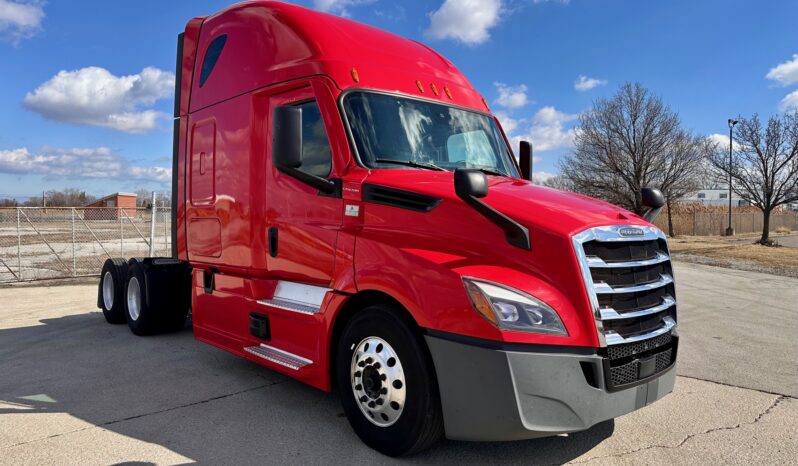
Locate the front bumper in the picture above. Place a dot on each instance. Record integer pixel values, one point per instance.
(494, 394)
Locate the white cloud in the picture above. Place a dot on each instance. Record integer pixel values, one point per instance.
(785, 73)
(583, 83)
(100, 162)
(511, 96)
(94, 96)
(722, 140)
(542, 177)
(548, 130)
(467, 21)
(789, 102)
(20, 20)
(509, 124)
(338, 7)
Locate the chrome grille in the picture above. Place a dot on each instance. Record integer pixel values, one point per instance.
(630, 282)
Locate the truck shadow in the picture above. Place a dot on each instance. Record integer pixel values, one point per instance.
(200, 402)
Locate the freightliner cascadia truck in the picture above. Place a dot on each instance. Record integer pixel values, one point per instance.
(348, 212)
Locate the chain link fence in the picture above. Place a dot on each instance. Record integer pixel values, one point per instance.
(38, 243)
(714, 223)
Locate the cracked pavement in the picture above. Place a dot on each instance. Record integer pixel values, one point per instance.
(75, 390)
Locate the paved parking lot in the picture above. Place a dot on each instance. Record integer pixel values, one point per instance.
(74, 390)
(788, 241)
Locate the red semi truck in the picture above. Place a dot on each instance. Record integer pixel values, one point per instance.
(349, 213)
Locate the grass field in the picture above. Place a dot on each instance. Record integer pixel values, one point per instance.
(739, 252)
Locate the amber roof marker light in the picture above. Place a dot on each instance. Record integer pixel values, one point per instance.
(420, 86)
(434, 89)
(355, 75)
(448, 92)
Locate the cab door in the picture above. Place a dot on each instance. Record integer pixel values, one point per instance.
(302, 223)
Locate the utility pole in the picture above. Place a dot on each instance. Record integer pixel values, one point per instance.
(732, 122)
(153, 213)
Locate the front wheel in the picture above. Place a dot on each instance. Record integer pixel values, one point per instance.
(387, 383)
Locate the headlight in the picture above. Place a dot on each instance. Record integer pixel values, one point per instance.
(511, 309)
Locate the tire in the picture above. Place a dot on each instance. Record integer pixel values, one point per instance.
(365, 374)
(157, 298)
(142, 317)
(111, 290)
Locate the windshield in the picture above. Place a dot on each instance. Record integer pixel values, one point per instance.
(395, 132)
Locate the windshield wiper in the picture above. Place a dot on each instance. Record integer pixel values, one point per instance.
(489, 171)
(409, 163)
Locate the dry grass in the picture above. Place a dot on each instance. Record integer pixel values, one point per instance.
(737, 252)
(783, 230)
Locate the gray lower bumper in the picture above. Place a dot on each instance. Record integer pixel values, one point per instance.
(489, 394)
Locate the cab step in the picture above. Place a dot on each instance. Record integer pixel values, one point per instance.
(278, 356)
(297, 297)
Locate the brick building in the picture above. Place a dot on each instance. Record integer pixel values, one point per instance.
(111, 207)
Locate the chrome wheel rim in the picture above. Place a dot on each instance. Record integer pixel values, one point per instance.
(108, 291)
(133, 298)
(378, 381)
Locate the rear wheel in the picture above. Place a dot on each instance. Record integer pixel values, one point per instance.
(142, 318)
(387, 383)
(157, 297)
(110, 296)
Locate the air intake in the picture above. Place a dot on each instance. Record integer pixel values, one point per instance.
(399, 198)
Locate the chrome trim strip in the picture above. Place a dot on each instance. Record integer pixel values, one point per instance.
(610, 234)
(616, 339)
(603, 288)
(608, 313)
(278, 356)
(598, 263)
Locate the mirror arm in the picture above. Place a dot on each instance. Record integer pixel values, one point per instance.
(323, 185)
(651, 214)
(515, 233)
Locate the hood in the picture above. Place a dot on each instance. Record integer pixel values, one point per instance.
(535, 207)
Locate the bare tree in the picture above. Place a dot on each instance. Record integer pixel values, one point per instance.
(558, 182)
(682, 170)
(628, 142)
(764, 168)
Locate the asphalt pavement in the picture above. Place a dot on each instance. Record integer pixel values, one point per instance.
(75, 390)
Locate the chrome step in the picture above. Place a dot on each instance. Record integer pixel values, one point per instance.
(289, 305)
(278, 356)
(297, 297)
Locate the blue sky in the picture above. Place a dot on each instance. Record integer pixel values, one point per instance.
(709, 60)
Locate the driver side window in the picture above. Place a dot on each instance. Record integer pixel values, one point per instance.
(316, 154)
